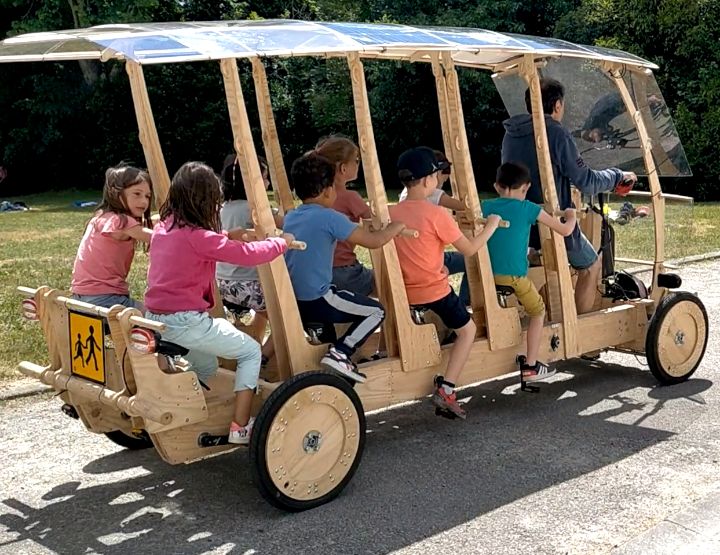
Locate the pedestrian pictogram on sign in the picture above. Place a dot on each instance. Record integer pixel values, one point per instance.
(87, 346)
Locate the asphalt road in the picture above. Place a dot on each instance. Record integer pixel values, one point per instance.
(592, 462)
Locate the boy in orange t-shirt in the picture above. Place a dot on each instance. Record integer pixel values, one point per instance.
(422, 262)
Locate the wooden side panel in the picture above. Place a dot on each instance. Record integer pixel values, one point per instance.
(148, 133)
(557, 244)
(418, 345)
(180, 395)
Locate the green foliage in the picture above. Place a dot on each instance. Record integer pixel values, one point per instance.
(62, 124)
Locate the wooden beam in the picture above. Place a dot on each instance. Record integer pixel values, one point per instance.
(148, 133)
(556, 242)
(418, 346)
(273, 152)
(502, 324)
(658, 202)
(294, 354)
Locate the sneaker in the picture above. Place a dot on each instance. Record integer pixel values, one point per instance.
(448, 402)
(240, 435)
(338, 361)
(538, 372)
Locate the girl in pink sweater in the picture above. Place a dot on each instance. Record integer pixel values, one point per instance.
(184, 249)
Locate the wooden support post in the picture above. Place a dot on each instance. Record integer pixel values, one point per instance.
(294, 354)
(418, 346)
(658, 201)
(441, 87)
(502, 325)
(273, 152)
(556, 242)
(148, 133)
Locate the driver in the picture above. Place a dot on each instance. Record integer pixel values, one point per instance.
(568, 167)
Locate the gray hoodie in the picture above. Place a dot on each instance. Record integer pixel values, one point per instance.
(568, 166)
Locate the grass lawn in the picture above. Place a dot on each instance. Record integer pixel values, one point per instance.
(38, 248)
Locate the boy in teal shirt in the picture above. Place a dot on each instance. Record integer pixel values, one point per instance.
(508, 253)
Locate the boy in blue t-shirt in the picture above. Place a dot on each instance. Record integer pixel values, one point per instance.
(316, 223)
(508, 253)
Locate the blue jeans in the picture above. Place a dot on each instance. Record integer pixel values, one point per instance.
(455, 263)
(209, 338)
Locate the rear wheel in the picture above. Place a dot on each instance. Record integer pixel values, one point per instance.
(308, 440)
(133, 442)
(677, 337)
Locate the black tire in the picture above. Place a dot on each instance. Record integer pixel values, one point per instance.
(335, 422)
(677, 337)
(132, 442)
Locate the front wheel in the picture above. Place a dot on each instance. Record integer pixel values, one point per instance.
(308, 440)
(133, 442)
(677, 337)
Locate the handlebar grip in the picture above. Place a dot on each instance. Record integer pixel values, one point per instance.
(410, 233)
(503, 223)
(298, 245)
(580, 213)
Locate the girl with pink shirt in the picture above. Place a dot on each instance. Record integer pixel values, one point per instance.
(107, 248)
(348, 273)
(186, 245)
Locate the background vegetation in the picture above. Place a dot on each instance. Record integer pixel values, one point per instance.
(62, 124)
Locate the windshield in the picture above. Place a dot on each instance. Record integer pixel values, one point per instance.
(596, 116)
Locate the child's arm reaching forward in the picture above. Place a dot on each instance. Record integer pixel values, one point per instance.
(375, 239)
(563, 228)
(218, 247)
(469, 246)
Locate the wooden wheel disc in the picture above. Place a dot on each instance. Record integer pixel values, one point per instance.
(681, 338)
(312, 442)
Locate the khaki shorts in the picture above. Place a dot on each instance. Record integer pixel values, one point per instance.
(526, 293)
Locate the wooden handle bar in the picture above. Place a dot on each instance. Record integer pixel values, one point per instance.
(298, 245)
(414, 233)
(503, 223)
(26, 291)
(579, 212)
(95, 392)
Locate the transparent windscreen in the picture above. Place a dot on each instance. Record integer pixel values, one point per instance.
(595, 114)
(633, 223)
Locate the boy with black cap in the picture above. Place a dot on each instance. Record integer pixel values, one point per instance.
(421, 261)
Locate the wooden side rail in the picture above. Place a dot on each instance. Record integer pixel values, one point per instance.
(130, 405)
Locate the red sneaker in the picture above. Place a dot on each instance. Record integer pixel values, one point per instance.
(445, 401)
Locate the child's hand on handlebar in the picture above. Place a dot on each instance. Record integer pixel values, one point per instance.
(570, 214)
(288, 237)
(493, 221)
(395, 228)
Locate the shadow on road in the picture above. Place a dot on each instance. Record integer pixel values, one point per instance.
(420, 475)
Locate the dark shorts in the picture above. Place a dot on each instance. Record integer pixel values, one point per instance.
(450, 309)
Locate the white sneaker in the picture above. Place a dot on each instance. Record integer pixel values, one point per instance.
(240, 435)
(339, 362)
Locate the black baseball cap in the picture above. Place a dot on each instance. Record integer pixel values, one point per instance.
(419, 162)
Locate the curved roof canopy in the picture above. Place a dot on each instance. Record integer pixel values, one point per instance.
(155, 43)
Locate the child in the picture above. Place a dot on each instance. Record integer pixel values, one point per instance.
(184, 248)
(240, 285)
(508, 254)
(348, 274)
(454, 261)
(107, 248)
(421, 262)
(316, 223)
